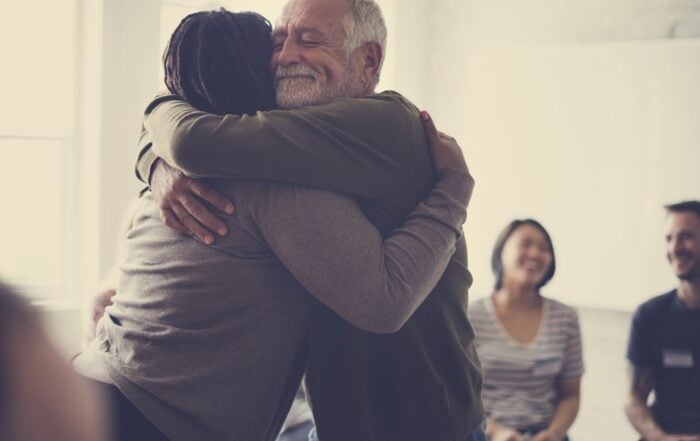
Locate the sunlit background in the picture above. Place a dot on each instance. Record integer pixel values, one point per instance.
(580, 113)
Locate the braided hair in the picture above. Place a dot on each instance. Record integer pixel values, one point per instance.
(219, 62)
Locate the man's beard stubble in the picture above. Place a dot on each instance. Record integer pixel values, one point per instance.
(691, 275)
(297, 92)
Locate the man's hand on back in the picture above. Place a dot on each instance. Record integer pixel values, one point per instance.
(444, 149)
(181, 201)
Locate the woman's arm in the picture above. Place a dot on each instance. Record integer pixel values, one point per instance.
(328, 245)
(565, 412)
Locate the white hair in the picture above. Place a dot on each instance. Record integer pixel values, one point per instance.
(365, 23)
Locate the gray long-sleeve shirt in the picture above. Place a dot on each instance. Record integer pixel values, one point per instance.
(210, 342)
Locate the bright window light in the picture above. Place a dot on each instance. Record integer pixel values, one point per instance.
(31, 184)
(37, 43)
(37, 142)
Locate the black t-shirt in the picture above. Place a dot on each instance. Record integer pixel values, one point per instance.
(665, 337)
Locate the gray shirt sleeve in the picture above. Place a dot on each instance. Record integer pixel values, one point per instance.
(330, 247)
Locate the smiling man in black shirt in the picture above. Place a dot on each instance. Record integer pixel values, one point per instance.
(664, 345)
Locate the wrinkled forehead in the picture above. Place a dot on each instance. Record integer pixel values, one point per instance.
(327, 17)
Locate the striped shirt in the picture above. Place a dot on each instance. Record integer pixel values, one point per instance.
(520, 380)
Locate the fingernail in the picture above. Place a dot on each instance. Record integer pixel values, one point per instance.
(222, 232)
(424, 115)
(229, 209)
(208, 240)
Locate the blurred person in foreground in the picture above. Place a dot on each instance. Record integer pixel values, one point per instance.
(529, 345)
(41, 398)
(664, 343)
(211, 342)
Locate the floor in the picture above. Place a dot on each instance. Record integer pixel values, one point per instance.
(605, 382)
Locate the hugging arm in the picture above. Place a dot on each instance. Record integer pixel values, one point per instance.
(330, 247)
(358, 146)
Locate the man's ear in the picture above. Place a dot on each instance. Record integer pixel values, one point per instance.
(372, 55)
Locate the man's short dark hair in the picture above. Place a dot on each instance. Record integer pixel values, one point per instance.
(684, 207)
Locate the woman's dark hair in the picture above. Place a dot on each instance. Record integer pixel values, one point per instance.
(497, 264)
(219, 62)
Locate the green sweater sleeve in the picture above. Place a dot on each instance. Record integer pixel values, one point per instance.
(361, 146)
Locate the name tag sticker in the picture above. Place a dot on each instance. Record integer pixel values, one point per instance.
(677, 359)
(549, 366)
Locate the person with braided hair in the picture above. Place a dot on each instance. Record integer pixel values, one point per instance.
(217, 61)
(210, 343)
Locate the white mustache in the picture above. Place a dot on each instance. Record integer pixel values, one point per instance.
(295, 70)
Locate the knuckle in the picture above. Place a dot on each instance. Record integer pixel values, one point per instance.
(197, 186)
(197, 211)
(206, 192)
(185, 217)
(187, 201)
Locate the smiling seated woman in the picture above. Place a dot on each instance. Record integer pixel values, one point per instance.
(529, 345)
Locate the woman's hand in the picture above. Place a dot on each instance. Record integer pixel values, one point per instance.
(507, 434)
(499, 432)
(181, 201)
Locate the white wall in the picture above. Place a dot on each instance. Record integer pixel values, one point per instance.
(591, 139)
(580, 114)
(131, 40)
(115, 83)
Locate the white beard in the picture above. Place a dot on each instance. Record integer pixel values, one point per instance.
(298, 92)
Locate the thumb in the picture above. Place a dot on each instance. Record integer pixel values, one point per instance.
(431, 132)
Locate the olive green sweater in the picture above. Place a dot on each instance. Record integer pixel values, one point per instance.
(420, 383)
